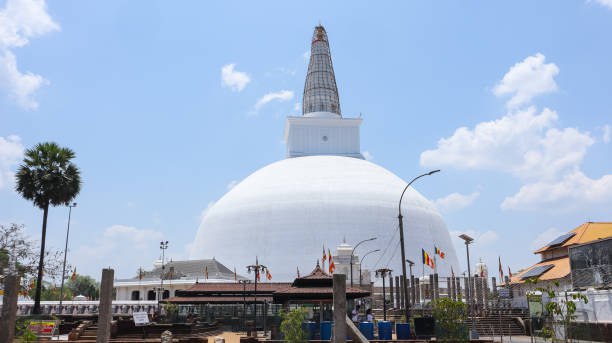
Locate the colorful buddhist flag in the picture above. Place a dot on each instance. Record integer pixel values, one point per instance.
(74, 275)
(332, 265)
(268, 274)
(501, 269)
(324, 256)
(427, 259)
(206, 272)
(438, 252)
(509, 272)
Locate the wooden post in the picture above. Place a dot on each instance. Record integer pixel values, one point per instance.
(9, 308)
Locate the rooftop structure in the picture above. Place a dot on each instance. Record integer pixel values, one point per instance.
(554, 257)
(320, 90)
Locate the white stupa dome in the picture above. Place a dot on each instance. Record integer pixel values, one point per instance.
(284, 212)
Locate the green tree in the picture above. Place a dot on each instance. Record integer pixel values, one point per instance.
(291, 326)
(47, 177)
(451, 317)
(83, 285)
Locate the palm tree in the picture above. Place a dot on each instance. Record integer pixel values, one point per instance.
(47, 177)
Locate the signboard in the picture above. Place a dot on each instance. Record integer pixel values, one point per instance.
(42, 327)
(141, 318)
(591, 264)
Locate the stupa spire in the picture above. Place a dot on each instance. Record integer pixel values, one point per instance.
(320, 90)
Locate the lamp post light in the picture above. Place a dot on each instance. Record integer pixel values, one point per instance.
(65, 253)
(353, 255)
(361, 263)
(468, 240)
(244, 283)
(403, 250)
(163, 245)
(257, 268)
(383, 273)
(412, 291)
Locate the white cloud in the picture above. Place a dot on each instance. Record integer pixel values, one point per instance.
(528, 141)
(605, 3)
(368, 156)
(11, 153)
(574, 186)
(297, 107)
(20, 87)
(527, 79)
(21, 20)
(122, 247)
(456, 201)
(545, 237)
(233, 79)
(607, 132)
(283, 95)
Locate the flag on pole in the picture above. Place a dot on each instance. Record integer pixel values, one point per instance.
(427, 260)
(74, 275)
(438, 252)
(332, 265)
(235, 274)
(257, 276)
(206, 272)
(509, 272)
(452, 272)
(268, 274)
(501, 269)
(324, 256)
(298, 271)
(481, 272)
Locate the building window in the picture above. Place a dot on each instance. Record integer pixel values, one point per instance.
(135, 295)
(151, 295)
(166, 294)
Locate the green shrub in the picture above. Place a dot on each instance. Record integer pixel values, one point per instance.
(291, 326)
(451, 317)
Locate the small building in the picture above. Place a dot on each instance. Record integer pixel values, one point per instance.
(342, 261)
(174, 275)
(554, 265)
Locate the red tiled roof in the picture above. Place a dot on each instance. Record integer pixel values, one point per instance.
(587, 232)
(216, 300)
(219, 287)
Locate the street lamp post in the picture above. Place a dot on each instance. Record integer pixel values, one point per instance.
(257, 268)
(468, 240)
(244, 283)
(65, 253)
(353, 255)
(163, 245)
(401, 230)
(361, 263)
(383, 272)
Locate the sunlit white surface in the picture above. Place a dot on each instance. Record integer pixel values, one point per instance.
(285, 212)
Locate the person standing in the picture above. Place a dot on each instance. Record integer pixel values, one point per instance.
(355, 314)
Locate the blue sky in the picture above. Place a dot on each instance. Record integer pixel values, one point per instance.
(136, 90)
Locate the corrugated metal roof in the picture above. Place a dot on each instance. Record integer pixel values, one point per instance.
(587, 232)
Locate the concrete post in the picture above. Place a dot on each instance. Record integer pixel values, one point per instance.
(9, 308)
(399, 295)
(412, 290)
(340, 313)
(391, 294)
(468, 295)
(494, 286)
(417, 291)
(430, 290)
(436, 287)
(458, 288)
(105, 310)
(450, 288)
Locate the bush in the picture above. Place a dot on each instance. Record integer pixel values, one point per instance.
(291, 326)
(451, 317)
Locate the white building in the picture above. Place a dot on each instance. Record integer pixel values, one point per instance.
(177, 275)
(342, 261)
(323, 191)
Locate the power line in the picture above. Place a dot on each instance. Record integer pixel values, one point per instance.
(386, 248)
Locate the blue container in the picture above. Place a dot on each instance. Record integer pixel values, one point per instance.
(367, 329)
(402, 330)
(326, 331)
(310, 328)
(384, 330)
